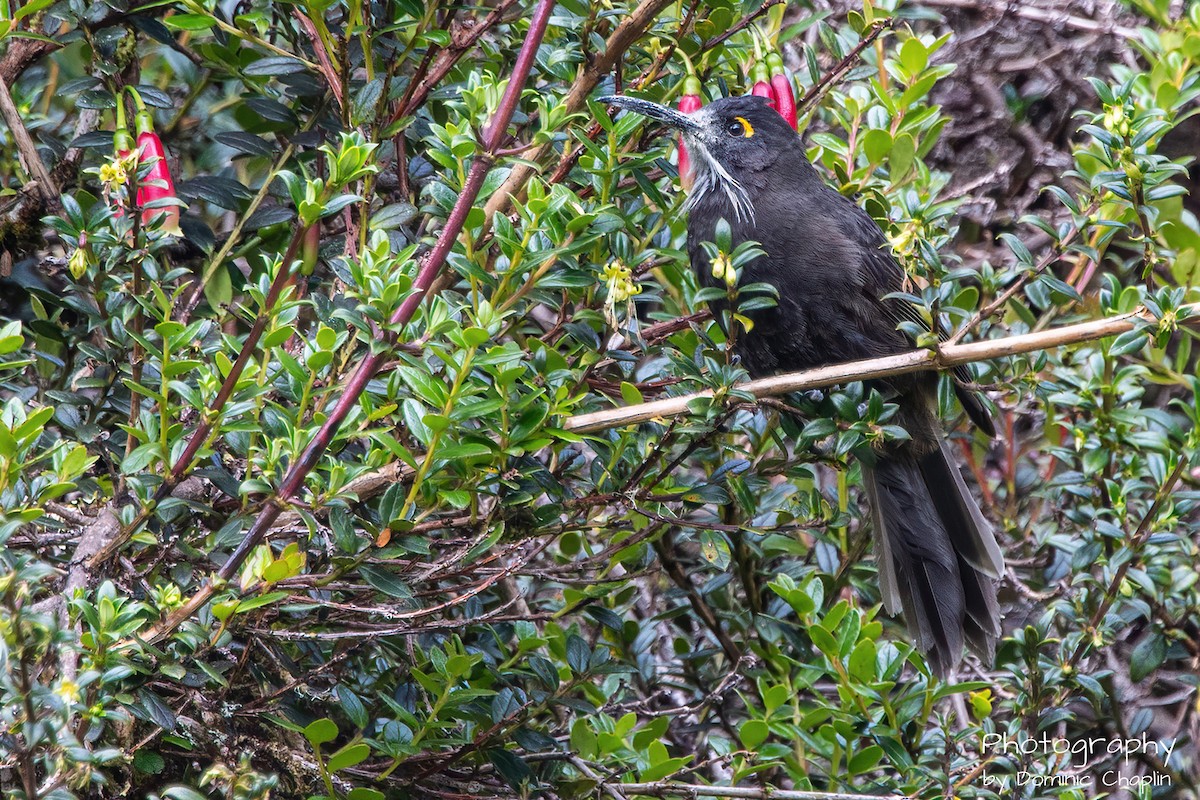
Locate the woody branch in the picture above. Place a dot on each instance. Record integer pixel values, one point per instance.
(866, 369)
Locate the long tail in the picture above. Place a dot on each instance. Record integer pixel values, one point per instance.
(937, 556)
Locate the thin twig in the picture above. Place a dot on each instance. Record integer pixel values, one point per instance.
(743, 23)
(843, 66)
(327, 68)
(1144, 530)
(463, 37)
(1056, 253)
(630, 29)
(209, 420)
(218, 260)
(609, 788)
(666, 557)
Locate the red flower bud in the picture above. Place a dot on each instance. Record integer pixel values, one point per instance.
(688, 103)
(781, 87)
(158, 183)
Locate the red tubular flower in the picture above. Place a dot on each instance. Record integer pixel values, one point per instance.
(158, 183)
(781, 87)
(688, 103)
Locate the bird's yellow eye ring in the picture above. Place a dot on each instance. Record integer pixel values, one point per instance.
(740, 127)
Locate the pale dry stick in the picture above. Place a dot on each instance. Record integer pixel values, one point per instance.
(672, 789)
(866, 369)
(590, 774)
(364, 487)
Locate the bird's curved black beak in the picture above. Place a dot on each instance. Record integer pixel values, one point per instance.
(669, 116)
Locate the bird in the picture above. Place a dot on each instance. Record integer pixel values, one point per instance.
(937, 555)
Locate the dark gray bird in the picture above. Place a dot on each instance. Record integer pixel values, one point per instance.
(937, 556)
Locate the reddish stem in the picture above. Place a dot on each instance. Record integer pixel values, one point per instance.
(493, 137)
(282, 278)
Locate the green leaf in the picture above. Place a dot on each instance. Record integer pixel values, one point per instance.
(630, 394)
(320, 732)
(182, 793)
(30, 8)
(463, 451)
(862, 661)
(1149, 654)
(914, 56)
(267, 599)
(825, 641)
(424, 385)
(752, 733)
(190, 22)
(876, 144)
(1128, 342)
(273, 65)
(385, 581)
(583, 738)
(218, 290)
(11, 338)
(149, 762)
(353, 706)
(578, 654)
(511, 766)
(661, 764)
(349, 756)
(865, 759)
(904, 151)
(474, 336)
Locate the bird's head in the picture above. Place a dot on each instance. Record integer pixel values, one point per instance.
(729, 141)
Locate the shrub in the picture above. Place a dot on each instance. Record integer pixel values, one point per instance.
(277, 520)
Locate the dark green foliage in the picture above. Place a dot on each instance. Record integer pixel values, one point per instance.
(468, 597)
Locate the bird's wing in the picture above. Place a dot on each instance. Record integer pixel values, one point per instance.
(883, 276)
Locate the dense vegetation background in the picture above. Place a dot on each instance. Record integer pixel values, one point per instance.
(269, 525)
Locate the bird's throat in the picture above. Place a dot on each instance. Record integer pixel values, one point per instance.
(711, 183)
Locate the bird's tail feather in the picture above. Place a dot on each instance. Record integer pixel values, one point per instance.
(937, 556)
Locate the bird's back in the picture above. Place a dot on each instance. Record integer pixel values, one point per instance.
(824, 254)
